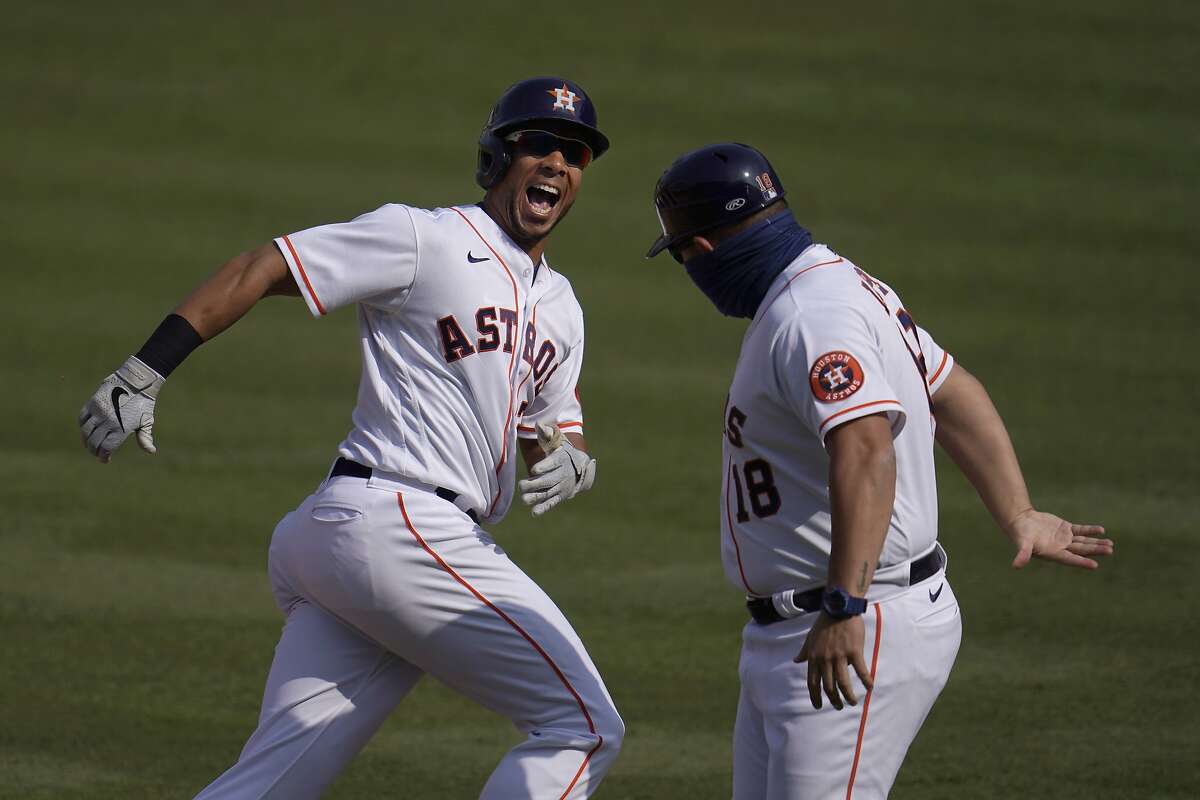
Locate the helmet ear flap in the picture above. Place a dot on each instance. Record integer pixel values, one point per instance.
(493, 159)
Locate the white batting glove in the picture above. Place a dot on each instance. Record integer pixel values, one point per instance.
(123, 404)
(563, 473)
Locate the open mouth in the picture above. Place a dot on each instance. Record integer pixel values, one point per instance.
(542, 198)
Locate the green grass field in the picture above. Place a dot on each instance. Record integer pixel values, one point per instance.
(1025, 173)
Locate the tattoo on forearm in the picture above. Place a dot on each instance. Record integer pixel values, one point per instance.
(862, 579)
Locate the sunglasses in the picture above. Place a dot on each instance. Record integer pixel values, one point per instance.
(540, 143)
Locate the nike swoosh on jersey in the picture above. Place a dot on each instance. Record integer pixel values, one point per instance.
(115, 396)
(933, 596)
(474, 260)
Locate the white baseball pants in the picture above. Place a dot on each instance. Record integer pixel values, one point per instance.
(784, 749)
(381, 583)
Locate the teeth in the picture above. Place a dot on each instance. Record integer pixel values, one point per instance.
(545, 187)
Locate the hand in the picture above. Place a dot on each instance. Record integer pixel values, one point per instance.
(563, 473)
(123, 404)
(830, 646)
(1036, 533)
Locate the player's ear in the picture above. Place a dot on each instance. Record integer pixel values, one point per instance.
(690, 248)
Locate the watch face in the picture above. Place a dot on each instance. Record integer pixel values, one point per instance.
(836, 601)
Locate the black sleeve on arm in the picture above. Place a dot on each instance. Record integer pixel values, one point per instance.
(169, 345)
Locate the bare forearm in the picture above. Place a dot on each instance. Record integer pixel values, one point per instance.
(972, 433)
(862, 489)
(532, 453)
(231, 291)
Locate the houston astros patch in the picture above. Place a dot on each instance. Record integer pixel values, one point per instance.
(835, 376)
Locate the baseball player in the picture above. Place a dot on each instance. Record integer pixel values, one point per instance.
(471, 348)
(829, 503)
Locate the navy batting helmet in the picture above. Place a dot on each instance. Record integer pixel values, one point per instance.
(709, 187)
(552, 103)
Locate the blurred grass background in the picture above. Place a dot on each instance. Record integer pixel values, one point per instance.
(1025, 173)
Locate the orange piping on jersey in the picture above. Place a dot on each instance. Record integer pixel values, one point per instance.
(507, 422)
(837, 260)
(856, 408)
(513, 361)
(499, 490)
(862, 725)
(941, 366)
(561, 426)
(736, 550)
(304, 275)
(545, 656)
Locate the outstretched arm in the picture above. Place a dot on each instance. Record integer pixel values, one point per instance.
(971, 432)
(233, 290)
(124, 402)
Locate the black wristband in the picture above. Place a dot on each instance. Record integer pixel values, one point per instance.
(169, 345)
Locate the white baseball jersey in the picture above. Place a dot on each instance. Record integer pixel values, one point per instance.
(829, 344)
(463, 338)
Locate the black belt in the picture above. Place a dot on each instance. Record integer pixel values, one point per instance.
(353, 469)
(763, 610)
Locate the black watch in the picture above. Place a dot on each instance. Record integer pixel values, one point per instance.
(840, 604)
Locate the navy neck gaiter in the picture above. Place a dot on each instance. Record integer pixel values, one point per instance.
(736, 275)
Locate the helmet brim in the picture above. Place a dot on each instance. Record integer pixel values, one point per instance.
(660, 244)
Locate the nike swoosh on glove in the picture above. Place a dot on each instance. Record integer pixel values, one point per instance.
(563, 473)
(123, 404)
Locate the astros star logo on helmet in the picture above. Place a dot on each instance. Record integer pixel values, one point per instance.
(564, 98)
